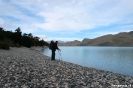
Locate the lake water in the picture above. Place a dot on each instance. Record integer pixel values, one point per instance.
(114, 59)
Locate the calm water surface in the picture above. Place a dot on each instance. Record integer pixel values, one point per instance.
(115, 59)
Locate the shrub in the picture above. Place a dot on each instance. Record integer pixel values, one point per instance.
(4, 45)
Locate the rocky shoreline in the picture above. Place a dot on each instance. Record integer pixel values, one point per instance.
(29, 68)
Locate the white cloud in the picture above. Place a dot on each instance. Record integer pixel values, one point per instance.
(86, 15)
(44, 37)
(65, 15)
(66, 39)
(47, 38)
(73, 15)
(63, 20)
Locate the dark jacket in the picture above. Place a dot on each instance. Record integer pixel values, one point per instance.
(55, 47)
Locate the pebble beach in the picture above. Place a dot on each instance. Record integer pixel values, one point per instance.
(29, 68)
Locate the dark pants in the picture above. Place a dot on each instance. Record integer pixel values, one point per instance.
(53, 55)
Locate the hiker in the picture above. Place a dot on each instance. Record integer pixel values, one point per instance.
(54, 47)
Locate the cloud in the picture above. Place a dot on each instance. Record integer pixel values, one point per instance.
(63, 20)
(65, 15)
(47, 38)
(65, 39)
(16, 15)
(77, 15)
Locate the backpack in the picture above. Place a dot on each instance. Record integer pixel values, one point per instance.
(51, 45)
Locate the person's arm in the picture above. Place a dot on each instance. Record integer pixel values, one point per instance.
(57, 47)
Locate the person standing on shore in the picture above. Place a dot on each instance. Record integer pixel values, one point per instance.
(54, 47)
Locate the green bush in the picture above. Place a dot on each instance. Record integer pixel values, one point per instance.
(9, 42)
(4, 45)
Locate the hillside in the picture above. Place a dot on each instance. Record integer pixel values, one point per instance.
(73, 43)
(120, 39)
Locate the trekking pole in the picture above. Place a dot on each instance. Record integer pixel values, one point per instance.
(59, 55)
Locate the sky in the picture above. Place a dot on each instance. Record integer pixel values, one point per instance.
(67, 20)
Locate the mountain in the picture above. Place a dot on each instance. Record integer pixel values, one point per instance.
(72, 43)
(120, 39)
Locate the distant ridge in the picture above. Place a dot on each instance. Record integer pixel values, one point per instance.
(120, 39)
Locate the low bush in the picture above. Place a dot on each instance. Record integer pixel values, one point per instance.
(4, 45)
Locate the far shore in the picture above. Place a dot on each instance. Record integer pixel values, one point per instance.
(29, 68)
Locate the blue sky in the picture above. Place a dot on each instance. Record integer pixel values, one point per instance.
(67, 19)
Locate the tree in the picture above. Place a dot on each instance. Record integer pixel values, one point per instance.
(18, 36)
(1, 33)
(16, 39)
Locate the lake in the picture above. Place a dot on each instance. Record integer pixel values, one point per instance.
(114, 59)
